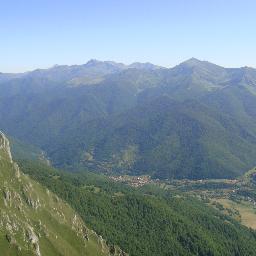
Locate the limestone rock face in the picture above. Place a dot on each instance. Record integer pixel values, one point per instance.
(5, 146)
(33, 239)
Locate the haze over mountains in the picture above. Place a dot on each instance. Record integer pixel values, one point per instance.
(196, 120)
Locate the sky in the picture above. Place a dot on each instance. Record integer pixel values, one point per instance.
(42, 33)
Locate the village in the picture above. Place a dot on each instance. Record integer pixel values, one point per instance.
(134, 181)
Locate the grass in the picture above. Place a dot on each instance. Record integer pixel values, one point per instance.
(246, 210)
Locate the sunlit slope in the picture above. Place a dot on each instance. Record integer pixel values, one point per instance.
(35, 221)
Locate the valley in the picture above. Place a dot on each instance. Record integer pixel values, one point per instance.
(153, 213)
(127, 128)
(154, 161)
(229, 196)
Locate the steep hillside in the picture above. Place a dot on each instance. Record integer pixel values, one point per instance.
(34, 221)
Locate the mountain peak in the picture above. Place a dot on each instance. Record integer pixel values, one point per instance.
(93, 62)
(197, 64)
(109, 64)
(193, 62)
(193, 59)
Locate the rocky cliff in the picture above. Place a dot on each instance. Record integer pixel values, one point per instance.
(34, 221)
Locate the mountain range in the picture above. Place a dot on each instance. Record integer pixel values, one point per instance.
(195, 120)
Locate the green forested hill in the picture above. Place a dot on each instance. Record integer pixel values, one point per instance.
(169, 139)
(195, 120)
(146, 221)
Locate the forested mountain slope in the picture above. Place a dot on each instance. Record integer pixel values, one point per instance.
(149, 220)
(195, 120)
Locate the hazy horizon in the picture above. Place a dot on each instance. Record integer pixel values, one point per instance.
(40, 34)
(75, 64)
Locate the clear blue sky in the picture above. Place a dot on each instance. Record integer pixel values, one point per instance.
(41, 33)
